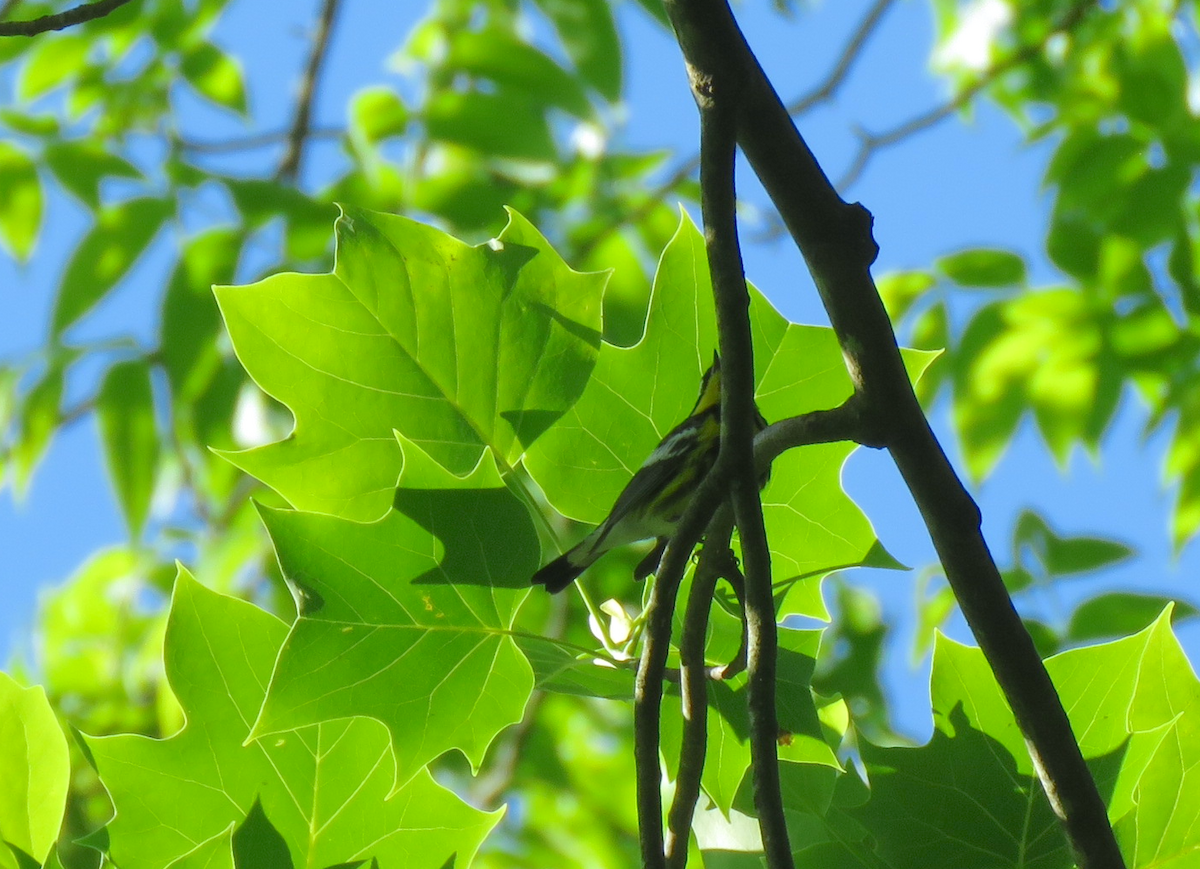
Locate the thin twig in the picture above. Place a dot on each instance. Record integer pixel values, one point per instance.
(872, 143)
(717, 95)
(258, 140)
(841, 69)
(648, 685)
(60, 20)
(733, 575)
(289, 166)
(835, 239)
(802, 104)
(694, 687)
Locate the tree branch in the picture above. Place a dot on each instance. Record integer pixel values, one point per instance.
(647, 695)
(694, 687)
(872, 143)
(289, 166)
(819, 94)
(835, 239)
(258, 140)
(60, 20)
(850, 53)
(717, 94)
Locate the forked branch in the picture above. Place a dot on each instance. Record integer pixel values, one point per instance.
(835, 239)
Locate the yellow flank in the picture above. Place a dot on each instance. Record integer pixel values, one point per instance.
(710, 393)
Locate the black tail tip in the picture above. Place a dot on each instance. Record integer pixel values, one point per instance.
(557, 575)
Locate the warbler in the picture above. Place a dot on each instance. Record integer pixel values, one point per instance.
(654, 500)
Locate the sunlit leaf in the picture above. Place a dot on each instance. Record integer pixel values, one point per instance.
(407, 620)
(589, 34)
(35, 768)
(497, 55)
(377, 113)
(323, 789)
(125, 412)
(505, 123)
(460, 348)
(215, 75)
(122, 232)
(983, 267)
(81, 166)
(38, 420)
(20, 201)
(52, 61)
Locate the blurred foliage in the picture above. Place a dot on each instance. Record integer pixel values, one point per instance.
(409, 606)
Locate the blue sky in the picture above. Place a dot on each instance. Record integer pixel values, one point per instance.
(956, 185)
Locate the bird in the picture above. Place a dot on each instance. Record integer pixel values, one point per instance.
(654, 500)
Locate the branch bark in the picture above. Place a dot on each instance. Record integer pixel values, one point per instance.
(716, 96)
(835, 239)
(60, 20)
(289, 166)
(694, 688)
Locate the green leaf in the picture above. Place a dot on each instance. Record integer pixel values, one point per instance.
(459, 348)
(1120, 613)
(190, 319)
(377, 113)
(100, 651)
(504, 123)
(589, 35)
(55, 59)
(257, 843)
(125, 412)
(495, 54)
(122, 232)
(1063, 556)
(462, 190)
(407, 620)
(80, 166)
(307, 219)
(214, 853)
(971, 794)
(984, 267)
(1152, 74)
(35, 768)
(637, 394)
(20, 201)
(215, 75)
(38, 422)
(324, 788)
(900, 290)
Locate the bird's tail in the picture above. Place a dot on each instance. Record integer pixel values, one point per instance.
(562, 571)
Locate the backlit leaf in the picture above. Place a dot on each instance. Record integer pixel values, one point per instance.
(324, 789)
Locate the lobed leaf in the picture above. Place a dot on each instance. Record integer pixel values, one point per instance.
(323, 789)
(408, 620)
(461, 348)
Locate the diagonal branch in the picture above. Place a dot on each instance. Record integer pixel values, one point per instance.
(60, 20)
(648, 685)
(835, 239)
(717, 95)
(871, 143)
(823, 92)
(841, 68)
(254, 141)
(289, 166)
(694, 687)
